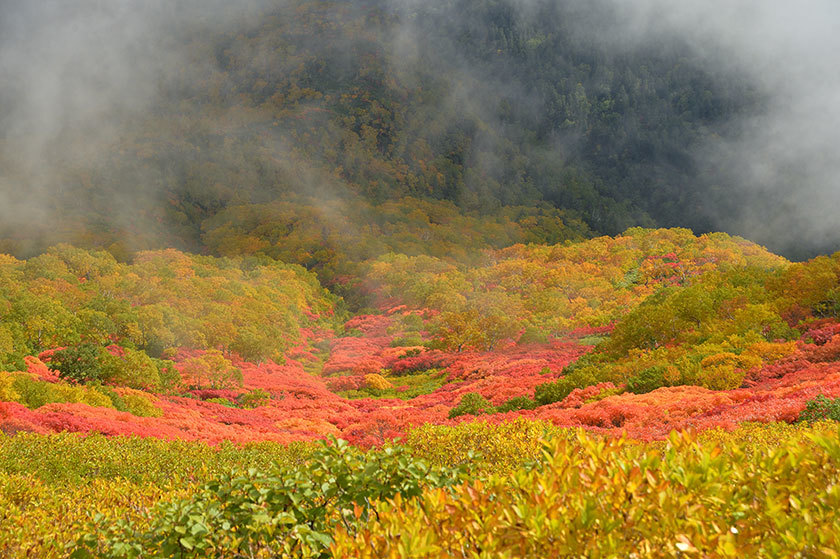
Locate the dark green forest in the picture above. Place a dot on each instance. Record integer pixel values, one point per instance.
(346, 111)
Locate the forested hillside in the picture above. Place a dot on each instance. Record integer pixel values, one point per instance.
(479, 103)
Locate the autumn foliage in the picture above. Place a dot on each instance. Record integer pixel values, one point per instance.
(678, 332)
(671, 332)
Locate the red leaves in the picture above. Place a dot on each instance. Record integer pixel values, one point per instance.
(655, 414)
(35, 366)
(358, 355)
(340, 384)
(821, 332)
(423, 361)
(304, 406)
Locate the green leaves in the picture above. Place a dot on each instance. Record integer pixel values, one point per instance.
(81, 363)
(576, 377)
(286, 509)
(821, 408)
(647, 380)
(471, 403)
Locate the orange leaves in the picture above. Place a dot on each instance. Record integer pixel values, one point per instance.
(35, 366)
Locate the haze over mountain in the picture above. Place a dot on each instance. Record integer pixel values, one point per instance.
(135, 122)
(299, 278)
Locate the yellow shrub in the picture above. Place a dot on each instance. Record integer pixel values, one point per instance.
(377, 381)
(724, 371)
(672, 375)
(80, 394)
(609, 498)
(44, 520)
(501, 447)
(7, 391)
(752, 438)
(139, 403)
(771, 351)
(34, 393)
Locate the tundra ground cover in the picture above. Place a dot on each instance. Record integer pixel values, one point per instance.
(673, 332)
(119, 497)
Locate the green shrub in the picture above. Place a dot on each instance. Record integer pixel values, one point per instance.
(292, 510)
(89, 363)
(116, 400)
(34, 393)
(471, 403)
(254, 398)
(534, 335)
(551, 392)
(7, 389)
(211, 369)
(139, 404)
(222, 402)
(132, 368)
(517, 403)
(407, 341)
(821, 408)
(81, 363)
(647, 380)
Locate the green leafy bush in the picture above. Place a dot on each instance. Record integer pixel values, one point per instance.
(140, 404)
(81, 363)
(66, 459)
(517, 403)
(471, 403)
(405, 341)
(292, 510)
(556, 391)
(647, 380)
(211, 370)
(254, 398)
(34, 393)
(821, 408)
(131, 368)
(222, 402)
(89, 363)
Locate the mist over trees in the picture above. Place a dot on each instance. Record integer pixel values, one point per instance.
(157, 117)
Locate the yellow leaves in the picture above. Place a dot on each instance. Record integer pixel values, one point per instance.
(42, 520)
(496, 448)
(7, 390)
(608, 498)
(139, 403)
(377, 381)
(723, 371)
(771, 351)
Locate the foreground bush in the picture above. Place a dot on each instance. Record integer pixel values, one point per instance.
(43, 520)
(292, 510)
(66, 459)
(485, 447)
(609, 498)
(53, 486)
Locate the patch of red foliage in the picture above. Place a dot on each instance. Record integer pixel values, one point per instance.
(34, 366)
(304, 406)
(357, 355)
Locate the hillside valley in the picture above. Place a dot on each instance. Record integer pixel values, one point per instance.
(392, 279)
